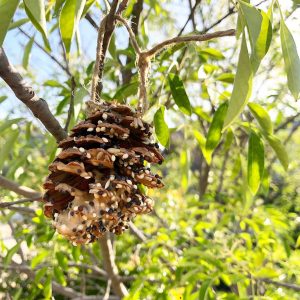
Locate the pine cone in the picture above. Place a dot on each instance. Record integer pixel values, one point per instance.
(94, 182)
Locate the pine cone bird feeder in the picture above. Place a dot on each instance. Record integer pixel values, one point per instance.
(93, 186)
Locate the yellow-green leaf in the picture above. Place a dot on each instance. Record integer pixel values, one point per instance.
(69, 20)
(242, 86)
(215, 130)
(260, 32)
(279, 149)
(35, 10)
(179, 94)
(161, 128)
(7, 11)
(262, 117)
(27, 52)
(256, 156)
(291, 59)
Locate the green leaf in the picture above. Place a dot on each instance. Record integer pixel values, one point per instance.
(215, 130)
(59, 275)
(47, 290)
(69, 20)
(214, 53)
(204, 289)
(39, 258)
(242, 87)
(279, 149)
(291, 59)
(35, 10)
(27, 51)
(7, 123)
(161, 128)
(179, 94)
(40, 274)
(7, 147)
(260, 32)
(256, 156)
(18, 23)
(262, 117)
(226, 77)
(10, 253)
(2, 98)
(126, 90)
(201, 142)
(7, 11)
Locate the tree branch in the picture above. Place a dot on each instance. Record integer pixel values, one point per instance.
(110, 266)
(25, 93)
(282, 284)
(18, 189)
(187, 39)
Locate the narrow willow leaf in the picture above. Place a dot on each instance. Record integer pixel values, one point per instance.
(260, 32)
(7, 11)
(3, 98)
(47, 289)
(201, 142)
(262, 117)
(184, 164)
(10, 253)
(8, 146)
(69, 20)
(226, 77)
(279, 149)
(242, 86)
(39, 258)
(161, 128)
(204, 289)
(291, 59)
(18, 23)
(59, 275)
(179, 94)
(256, 156)
(27, 52)
(7, 123)
(126, 90)
(215, 130)
(35, 10)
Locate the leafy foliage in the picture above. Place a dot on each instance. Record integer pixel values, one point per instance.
(226, 226)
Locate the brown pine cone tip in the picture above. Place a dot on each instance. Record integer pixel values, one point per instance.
(93, 184)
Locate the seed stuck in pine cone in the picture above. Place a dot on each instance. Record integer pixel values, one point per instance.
(93, 184)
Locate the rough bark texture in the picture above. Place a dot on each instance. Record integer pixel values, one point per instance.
(25, 93)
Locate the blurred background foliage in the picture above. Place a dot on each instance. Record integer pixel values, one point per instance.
(209, 236)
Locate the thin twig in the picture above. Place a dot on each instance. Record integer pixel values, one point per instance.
(7, 204)
(71, 106)
(90, 19)
(291, 286)
(46, 52)
(191, 16)
(131, 34)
